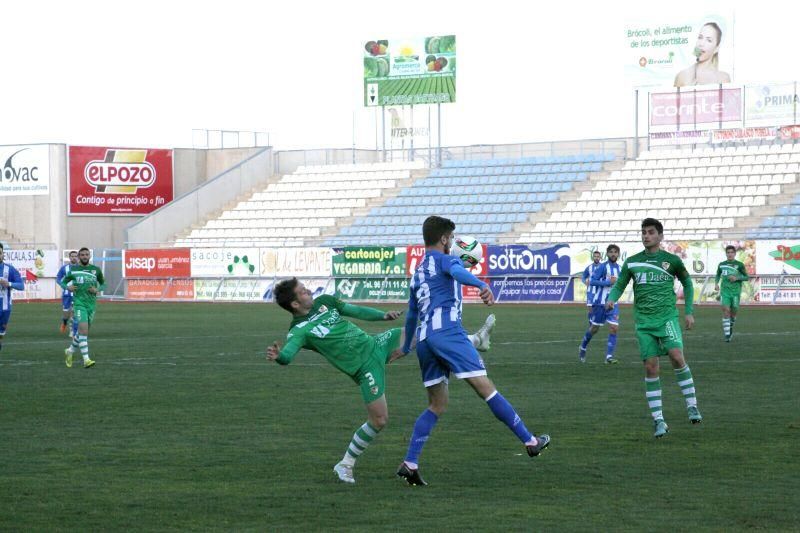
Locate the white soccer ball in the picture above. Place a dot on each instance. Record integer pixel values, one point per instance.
(468, 249)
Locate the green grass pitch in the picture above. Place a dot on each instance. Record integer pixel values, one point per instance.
(183, 425)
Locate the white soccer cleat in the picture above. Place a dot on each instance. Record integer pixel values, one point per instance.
(344, 473)
(484, 333)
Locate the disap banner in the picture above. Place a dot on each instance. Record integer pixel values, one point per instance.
(512, 269)
(410, 71)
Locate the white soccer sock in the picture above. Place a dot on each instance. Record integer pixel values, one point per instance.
(726, 326)
(474, 340)
(83, 342)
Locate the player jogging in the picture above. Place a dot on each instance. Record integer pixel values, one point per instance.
(443, 346)
(603, 278)
(731, 273)
(66, 296)
(319, 325)
(85, 281)
(658, 330)
(9, 279)
(586, 276)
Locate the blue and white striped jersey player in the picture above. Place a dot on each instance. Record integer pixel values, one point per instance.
(443, 346)
(9, 279)
(602, 279)
(66, 296)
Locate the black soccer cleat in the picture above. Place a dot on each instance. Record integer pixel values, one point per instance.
(542, 442)
(411, 476)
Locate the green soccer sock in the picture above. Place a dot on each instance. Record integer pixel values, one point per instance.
(362, 438)
(686, 383)
(653, 388)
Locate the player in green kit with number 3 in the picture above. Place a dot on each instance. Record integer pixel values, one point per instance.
(658, 330)
(85, 281)
(319, 325)
(732, 273)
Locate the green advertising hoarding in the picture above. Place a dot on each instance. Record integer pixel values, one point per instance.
(410, 71)
(370, 273)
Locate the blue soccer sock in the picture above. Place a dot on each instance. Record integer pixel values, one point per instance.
(422, 430)
(586, 338)
(505, 412)
(74, 328)
(612, 345)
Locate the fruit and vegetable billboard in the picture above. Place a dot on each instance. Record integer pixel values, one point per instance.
(410, 71)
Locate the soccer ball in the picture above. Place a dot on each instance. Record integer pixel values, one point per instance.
(468, 249)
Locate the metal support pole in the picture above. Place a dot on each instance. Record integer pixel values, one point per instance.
(635, 124)
(439, 135)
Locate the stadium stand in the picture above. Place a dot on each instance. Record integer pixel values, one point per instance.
(783, 225)
(485, 197)
(303, 206)
(702, 194)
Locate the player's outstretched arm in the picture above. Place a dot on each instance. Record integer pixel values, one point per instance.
(284, 356)
(362, 312)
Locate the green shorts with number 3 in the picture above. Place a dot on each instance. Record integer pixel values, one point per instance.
(83, 315)
(371, 377)
(729, 300)
(656, 340)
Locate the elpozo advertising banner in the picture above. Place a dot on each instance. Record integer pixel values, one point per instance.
(410, 71)
(25, 170)
(679, 51)
(118, 181)
(509, 264)
(157, 263)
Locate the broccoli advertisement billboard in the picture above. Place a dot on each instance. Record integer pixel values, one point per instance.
(410, 71)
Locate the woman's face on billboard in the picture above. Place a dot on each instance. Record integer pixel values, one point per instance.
(707, 43)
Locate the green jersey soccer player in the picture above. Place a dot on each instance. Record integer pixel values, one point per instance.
(658, 330)
(731, 273)
(85, 281)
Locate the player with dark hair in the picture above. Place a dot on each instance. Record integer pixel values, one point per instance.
(732, 273)
(603, 277)
(658, 330)
(9, 279)
(66, 296)
(443, 346)
(319, 325)
(85, 281)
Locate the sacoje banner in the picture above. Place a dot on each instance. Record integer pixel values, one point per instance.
(224, 262)
(368, 261)
(509, 264)
(118, 181)
(157, 263)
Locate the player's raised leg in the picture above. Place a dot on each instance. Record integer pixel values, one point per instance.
(481, 338)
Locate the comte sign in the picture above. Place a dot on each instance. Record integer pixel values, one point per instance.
(118, 181)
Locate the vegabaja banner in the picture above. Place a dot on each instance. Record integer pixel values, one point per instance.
(118, 181)
(25, 170)
(368, 261)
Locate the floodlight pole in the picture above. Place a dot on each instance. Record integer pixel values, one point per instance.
(383, 132)
(438, 134)
(636, 123)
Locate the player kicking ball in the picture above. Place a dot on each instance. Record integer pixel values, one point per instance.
(319, 325)
(443, 347)
(658, 329)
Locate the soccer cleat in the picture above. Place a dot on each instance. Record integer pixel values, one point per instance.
(582, 355)
(542, 442)
(88, 363)
(728, 338)
(411, 476)
(68, 359)
(63, 328)
(694, 414)
(661, 428)
(344, 473)
(611, 361)
(484, 332)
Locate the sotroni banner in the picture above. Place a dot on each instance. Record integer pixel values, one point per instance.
(157, 263)
(509, 264)
(25, 170)
(118, 181)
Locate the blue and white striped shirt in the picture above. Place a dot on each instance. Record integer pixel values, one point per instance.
(63, 271)
(586, 277)
(10, 274)
(435, 294)
(600, 282)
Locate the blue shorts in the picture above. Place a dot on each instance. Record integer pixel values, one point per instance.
(66, 301)
(5, 316)
(599, 316)
(446, 351)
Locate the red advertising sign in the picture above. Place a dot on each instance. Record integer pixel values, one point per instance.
(158, 289)
(118, 181)
(414, 255)
(695, 107)
(158, 263)
(789, 133)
